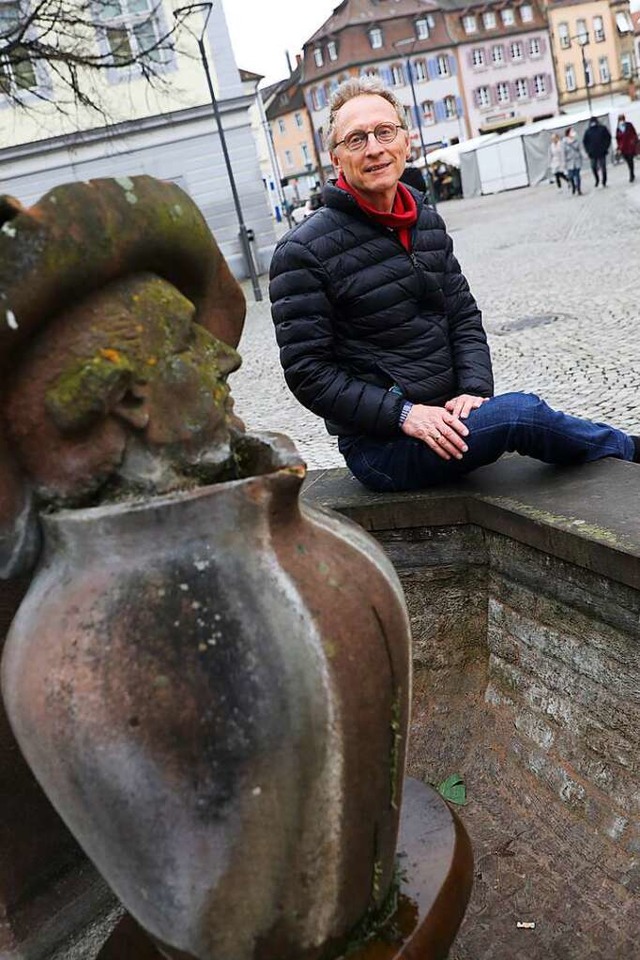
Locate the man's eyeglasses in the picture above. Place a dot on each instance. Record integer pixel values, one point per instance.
(358, 139)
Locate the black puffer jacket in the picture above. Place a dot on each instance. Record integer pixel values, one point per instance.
(356, 314)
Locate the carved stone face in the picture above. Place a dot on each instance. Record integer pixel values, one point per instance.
(123, 390)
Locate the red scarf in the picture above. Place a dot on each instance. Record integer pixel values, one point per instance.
(404, 212)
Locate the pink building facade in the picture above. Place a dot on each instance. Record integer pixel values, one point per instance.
(506, 67)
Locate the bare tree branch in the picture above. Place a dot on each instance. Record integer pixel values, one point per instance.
(53, 49)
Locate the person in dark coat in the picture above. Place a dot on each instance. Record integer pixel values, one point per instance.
(596, 143)
(627, 143)
(380, 334)
(414, 178)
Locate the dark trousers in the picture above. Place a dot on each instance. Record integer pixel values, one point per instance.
(561, 176)
(599, 169)
(628, 159)
(513, 421)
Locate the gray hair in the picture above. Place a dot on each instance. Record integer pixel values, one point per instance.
(356, 87)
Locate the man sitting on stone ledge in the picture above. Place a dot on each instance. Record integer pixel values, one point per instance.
(380, 334)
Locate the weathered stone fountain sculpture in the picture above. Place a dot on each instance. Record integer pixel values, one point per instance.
(210, 682)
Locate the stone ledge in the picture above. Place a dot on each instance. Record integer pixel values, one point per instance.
(587, 515)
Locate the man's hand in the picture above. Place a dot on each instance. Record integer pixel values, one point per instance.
(439, 429)
(463, 405)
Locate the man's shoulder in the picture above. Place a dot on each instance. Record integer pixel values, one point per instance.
(317, 224)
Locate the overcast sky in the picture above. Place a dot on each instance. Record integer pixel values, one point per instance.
(261, 31)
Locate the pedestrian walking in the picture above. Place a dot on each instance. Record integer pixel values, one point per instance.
(627, 142)
(556, 160)
(596, 143)
(572, 159)
(380, 334)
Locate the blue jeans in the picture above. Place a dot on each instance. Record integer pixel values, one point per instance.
(518, 422)
(574, 179)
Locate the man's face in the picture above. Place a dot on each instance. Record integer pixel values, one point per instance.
(375, 170)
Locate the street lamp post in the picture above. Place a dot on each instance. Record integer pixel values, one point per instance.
(583, 40)
(245, 235)
(400, 43)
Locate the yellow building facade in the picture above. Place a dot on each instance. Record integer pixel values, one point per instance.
(593, 49)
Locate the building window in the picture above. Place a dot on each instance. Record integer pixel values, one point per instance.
(588, 73)
(397, 75)
(408, 117)
(375, 38)
(370, 72)
(483, 97)
(428, 114)
(626, 66)
(299, 121)
(603, 70)
(497, 55)
(623, 22)
(132, 30)
(563, 35)
(17, 70)
(450, 108)
(508, 17)
(422, 29)
(598, 29)
(477, 57)
(534, 47)
(443, 66)
(489, 21)
(317, 56)
(420, 70)
(569, 78)
(581, 32)
(522, 91)
(332, 50)
(540, 84)
(502, 90)
(281, 125)
(288, 156)
(469, 24)
(516, 51)
(306, 157)
(526, 13)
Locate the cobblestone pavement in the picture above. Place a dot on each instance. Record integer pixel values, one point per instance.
(557, 279)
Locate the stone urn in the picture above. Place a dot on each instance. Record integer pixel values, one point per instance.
(212, 688)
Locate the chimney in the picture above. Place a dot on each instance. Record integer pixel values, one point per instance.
(286, 53)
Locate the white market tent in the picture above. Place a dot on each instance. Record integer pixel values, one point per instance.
(520, 158)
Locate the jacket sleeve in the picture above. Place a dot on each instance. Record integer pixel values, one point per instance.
(471, 355)
(303, 314)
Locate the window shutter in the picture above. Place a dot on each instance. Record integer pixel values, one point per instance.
(453, 66)
(441, 113)
(405, 68)
(385, 76)
(470, 58)
(417, 119)
(547, 84)
(459, 108)
(543, 45)
(432, 68)
(322, 97)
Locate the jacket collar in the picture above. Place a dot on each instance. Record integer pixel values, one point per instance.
(338, 199)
